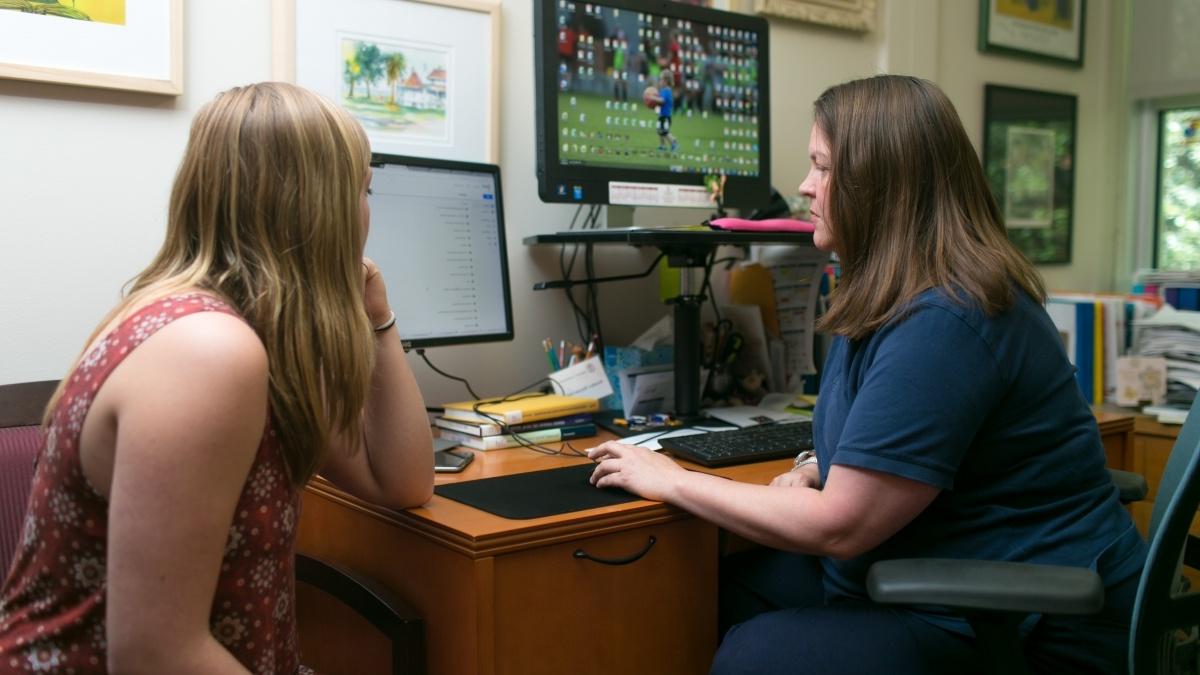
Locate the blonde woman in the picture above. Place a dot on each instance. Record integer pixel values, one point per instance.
(256, 349)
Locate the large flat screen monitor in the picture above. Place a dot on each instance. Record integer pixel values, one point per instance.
(603, 139)
(437, 233)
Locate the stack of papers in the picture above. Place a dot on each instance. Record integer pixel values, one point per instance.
(1174, 335)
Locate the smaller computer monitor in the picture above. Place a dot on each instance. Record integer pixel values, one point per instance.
(437, 234)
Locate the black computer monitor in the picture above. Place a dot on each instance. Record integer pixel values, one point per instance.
(437, 233)
(598, 141)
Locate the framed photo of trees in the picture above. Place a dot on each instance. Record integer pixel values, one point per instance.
(1029, 159)
(422, 76)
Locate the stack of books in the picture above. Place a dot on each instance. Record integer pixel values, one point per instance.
(525, 419)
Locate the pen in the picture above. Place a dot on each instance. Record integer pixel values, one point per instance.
(549, 347)
(562, 351)
(591, 348)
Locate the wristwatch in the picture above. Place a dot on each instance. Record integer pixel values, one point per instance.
(804, 458)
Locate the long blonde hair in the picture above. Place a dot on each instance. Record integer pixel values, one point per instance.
(909, 206)
(264, 213)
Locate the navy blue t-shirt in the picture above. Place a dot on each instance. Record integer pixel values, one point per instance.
(988, 410)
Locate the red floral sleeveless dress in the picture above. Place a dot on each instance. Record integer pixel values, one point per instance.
(53, 601)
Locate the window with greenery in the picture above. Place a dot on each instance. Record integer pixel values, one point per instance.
(1177, 221)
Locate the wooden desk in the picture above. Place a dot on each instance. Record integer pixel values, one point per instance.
(1116, 432)
(508, 597)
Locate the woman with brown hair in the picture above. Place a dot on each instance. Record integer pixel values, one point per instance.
(255, 350)
(949, 423)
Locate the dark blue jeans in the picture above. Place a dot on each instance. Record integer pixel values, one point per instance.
(775, 619)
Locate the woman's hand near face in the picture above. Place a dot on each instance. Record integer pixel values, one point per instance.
(392, 463)
(643, 472)
(375, 299)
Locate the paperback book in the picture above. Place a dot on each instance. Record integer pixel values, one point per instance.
(511, 440)
(520, 409)
(495, 429)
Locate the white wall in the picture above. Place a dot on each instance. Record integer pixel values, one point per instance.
(85, 175)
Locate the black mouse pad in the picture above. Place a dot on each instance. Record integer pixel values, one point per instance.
(535, 494)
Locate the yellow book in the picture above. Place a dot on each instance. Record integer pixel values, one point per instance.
(521, 408)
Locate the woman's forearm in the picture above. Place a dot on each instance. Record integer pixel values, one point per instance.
(398, 441)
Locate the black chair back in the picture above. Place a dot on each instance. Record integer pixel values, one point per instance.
(1163, 607)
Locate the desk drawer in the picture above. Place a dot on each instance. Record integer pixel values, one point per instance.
(559, 611)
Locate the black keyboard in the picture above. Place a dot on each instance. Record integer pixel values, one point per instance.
(739, 446)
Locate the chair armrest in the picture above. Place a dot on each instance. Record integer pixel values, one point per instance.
(377, 604)
(987, 585)
(1131, 487)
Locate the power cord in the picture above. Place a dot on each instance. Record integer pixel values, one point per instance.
(439, 371)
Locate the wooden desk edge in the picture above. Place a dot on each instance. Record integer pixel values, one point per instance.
(523, 534)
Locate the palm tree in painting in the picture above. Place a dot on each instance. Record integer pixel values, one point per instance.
(395, 68)
(370, 60)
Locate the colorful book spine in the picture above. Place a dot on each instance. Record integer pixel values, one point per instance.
(492, 429)
(513, 440)
(1085, 346)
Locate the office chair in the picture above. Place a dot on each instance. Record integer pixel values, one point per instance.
(336, 609)
(20, 437)
(996, 596)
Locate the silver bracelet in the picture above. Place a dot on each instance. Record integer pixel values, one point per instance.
(804, 459)
(386, 324)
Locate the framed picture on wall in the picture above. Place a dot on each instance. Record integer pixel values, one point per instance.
(1029, 159)
(1049, 30)
(422, 76)
(134, 45)
(856, 15)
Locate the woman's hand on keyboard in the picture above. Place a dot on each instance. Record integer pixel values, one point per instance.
(803, 476)
(643, 472)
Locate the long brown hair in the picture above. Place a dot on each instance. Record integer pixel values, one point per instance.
(264, 213)
(909, 207)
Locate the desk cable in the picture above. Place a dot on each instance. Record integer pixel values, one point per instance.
(439, 371)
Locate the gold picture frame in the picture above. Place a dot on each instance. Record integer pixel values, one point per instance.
(440, 99)
(856, 15)
(142, 52)
(1048, 31)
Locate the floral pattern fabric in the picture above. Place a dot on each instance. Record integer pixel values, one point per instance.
(53, 601)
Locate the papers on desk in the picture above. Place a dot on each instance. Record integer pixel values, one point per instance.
(649, 390)
(649, 440)
(752, 415)
(796, 272)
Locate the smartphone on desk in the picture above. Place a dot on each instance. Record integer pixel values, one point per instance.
(451, 460)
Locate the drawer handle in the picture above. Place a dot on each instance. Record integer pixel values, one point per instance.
(584, 555)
